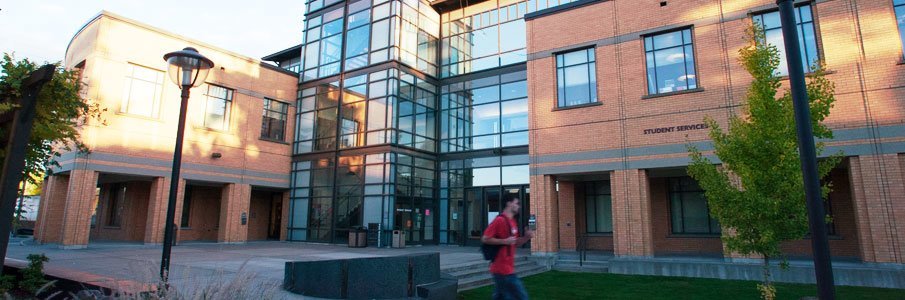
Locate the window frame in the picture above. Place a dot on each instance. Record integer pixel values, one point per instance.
(115, 206)
(900, 29)
(593, 93)
(587, 204)
(671, 211)
(158, 98)
(268, 108)
(694, 51)
(228, 108)
(815, 23)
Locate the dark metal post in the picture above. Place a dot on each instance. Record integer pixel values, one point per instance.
(816, 215)
(169, 226)
(14, 164)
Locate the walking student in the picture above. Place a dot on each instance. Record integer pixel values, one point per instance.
(503, 232)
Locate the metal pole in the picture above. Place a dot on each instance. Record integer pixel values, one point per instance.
(816, 215)
(170, 226)
(14, 163)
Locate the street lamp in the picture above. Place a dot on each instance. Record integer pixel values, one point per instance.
(187, 69)
(823, 267)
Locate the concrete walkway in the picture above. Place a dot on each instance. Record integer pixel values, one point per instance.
(124, 265)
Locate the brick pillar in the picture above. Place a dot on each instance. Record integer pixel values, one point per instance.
(76, 217)
(567, 232)
(235, 200)
(284, 218)
(878, 192)
(49, 223)
(631, 213)
(544, 207)
(157, 208)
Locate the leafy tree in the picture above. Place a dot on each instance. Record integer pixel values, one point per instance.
(758, 192)
(60, 111)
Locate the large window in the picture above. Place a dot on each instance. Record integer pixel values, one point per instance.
(323, 45)
(141, 92)
(807, 37)
(273, 122)
(598, 207)
(490, 112)
(217, 108)
(483, 39)
(115, 203)
(375, 32)
(386, 106)
(576, 79)
(186, 217)
(670, 62)
(688, 208)
(900, 19)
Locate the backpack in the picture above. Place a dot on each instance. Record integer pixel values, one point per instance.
(490, 251)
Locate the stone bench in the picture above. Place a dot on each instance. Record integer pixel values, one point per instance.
(391, 277)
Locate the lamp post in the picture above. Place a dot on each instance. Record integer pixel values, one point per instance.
(187, 69)
(816, 215)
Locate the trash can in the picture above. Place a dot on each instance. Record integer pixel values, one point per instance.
(398, 239)
(358, 238)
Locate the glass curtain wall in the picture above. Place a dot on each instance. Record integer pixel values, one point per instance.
(495, 172)
(395, 190)
(485, 113)
(376, 31)
(381, 107)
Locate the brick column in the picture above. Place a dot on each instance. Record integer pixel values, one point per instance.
(49, 223)
(76, 217)
(878, 192)
(631, 213)
(544, 207)
(284, 218)
(157, 208)
(235, 200)
(567, 232)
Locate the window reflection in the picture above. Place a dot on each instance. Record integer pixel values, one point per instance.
(670, 62)
(483, 114)
(576, 78)
(806, 37)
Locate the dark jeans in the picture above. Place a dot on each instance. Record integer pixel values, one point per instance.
(508, 287)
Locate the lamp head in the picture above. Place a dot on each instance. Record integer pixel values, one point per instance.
(187, 67)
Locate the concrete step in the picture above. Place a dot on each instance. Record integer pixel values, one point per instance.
(484, 278)
(456, 267)
(575, 265)
(484, 269)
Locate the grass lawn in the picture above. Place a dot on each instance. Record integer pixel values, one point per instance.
(567, 285)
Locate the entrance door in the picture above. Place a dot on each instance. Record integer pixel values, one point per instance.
(482, 205)
(474, 216)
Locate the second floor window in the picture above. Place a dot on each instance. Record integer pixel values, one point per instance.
(670, 62)
(217, 107)
(273, 122)
(807, 38)
(900, 19)
(576, 81)
(141, 92)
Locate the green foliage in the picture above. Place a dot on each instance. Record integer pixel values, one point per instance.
(7, 283)
(33, 274)
(764, 203)
(60, 112)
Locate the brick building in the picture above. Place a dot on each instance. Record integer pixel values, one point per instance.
(236, 158)
(416, 116)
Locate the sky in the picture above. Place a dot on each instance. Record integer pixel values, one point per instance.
(40, 29)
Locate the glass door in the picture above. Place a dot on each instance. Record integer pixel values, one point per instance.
(474, 216)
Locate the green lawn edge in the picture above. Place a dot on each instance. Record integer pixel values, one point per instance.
(569, 285)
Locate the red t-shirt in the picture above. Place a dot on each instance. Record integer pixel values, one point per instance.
(504, 264)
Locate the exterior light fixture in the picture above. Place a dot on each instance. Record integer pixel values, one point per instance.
(187, 69)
